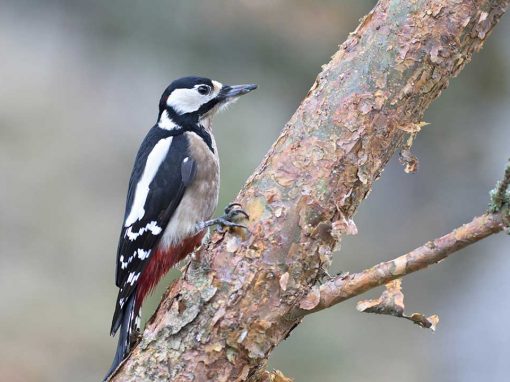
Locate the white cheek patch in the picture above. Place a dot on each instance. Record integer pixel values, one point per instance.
(186, 100)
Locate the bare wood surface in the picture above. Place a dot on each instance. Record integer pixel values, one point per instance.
(222, 319)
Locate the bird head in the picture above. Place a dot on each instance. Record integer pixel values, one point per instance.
(192, 99)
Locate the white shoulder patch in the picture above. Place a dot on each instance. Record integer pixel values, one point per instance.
(154, 160)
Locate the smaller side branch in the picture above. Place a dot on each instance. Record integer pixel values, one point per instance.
(347, 286)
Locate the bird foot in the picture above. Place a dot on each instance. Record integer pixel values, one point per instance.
(233, 213)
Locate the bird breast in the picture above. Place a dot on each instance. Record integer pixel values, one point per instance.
(200, 198)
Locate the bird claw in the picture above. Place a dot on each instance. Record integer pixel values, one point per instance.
(229, 219)
(222, 222)
(231, 211)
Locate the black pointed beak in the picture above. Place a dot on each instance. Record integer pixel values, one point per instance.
(236, 90)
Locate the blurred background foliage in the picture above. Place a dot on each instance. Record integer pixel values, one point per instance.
(79, 87)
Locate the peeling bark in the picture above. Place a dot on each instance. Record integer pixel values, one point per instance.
(222, 319)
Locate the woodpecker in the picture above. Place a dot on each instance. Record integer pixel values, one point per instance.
(172, 194)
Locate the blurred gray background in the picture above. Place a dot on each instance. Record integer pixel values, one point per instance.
(79, 86)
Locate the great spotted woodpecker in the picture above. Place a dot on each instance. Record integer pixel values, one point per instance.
(172, 193)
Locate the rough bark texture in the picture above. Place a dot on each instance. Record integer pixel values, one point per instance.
(223, 318)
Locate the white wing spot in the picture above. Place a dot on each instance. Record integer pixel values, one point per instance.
(142, 255)
(133, 276)
(124, 264)
(152, 227)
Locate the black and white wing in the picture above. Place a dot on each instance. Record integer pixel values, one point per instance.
(161, 173)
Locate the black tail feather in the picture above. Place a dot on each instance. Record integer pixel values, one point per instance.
(126, 325)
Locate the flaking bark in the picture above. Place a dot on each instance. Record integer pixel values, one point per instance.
(222, 319)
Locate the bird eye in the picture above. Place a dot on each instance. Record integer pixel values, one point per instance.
(203, 89)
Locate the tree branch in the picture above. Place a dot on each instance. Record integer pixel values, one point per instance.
(222, 319)
(347, 286)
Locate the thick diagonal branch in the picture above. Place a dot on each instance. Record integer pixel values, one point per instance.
(221, 321)
(342, 288)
